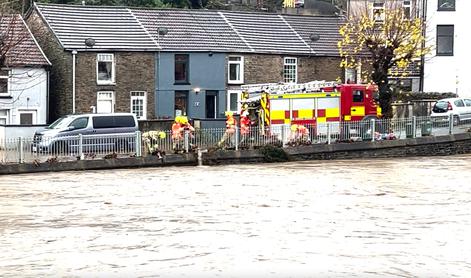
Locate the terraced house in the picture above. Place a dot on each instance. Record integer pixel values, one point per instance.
(161, 63)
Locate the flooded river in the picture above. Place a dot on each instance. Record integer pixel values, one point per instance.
(356, 218)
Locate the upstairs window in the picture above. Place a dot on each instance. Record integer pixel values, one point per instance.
(235, 70)
(290, 70)
(105, 69)
(445, 36)
(181, 68)
(446, 5)
(3, 82)
(378, 11)
(407, 9)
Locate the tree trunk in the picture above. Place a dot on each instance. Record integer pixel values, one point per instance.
(380, 77)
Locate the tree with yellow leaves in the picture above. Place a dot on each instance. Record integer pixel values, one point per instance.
(381, 39)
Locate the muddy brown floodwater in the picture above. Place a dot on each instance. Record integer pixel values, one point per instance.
(352, 218)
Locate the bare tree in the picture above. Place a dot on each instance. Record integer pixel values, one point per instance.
(386, 39)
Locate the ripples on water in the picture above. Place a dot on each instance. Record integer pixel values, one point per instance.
(353, 218)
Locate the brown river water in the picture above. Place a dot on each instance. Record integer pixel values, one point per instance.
(350, 218)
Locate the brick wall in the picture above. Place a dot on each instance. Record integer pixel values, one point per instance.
(259, 68)
(135, 71)
(60, 83)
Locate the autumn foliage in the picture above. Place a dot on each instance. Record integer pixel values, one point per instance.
(384, 43)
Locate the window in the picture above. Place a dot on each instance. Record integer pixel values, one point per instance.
(358, 96)
(105, 102)
(233, 98)
(467, 102)
(139, 104)
(290, 70)
(407, 9)
(124, 121)
(445, 34)
(181, 68)
(181, 103)
(236, 70)
(350, 76)
(3, 117)
(105, 69)
(79, 123)
(103, 122)
(378, 11)
(459, 103)
(3, 82)
(211, 104)
(446, 5)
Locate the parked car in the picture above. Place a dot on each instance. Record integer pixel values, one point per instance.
(460, 108)
(101, 132)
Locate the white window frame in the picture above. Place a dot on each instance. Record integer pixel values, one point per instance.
(139, 95)
(287, 63)
(112, 98)
(34, 112)
(241, 70)
(378, 6)
(239, 95)
(407, 4)
(7, 77)
(6, 117)
(105, 57)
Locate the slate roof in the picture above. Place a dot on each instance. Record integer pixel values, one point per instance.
(121, 28)
(111, 27)
(22, 49)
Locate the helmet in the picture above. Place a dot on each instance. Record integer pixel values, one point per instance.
(162, 135)
(245, 113)
(229, 113)
(294, 127)
(183, 120)
(178, 119)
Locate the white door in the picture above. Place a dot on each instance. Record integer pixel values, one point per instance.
(105, 102)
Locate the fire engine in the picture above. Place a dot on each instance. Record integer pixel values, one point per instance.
(311, 103)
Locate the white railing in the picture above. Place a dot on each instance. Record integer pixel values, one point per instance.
(159, 143)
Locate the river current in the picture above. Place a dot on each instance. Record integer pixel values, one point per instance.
(348, 218)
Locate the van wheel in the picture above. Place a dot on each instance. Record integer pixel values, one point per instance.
(60, 148)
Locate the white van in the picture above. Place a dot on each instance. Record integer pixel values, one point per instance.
(100, 132)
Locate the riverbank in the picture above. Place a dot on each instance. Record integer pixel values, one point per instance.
(422, 146)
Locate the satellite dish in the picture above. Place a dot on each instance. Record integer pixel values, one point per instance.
(314, 37)
(89, 42)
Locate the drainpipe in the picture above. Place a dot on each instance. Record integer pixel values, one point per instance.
(424, 33)
(74, 52)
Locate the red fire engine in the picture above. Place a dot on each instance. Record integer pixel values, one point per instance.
(310, 103)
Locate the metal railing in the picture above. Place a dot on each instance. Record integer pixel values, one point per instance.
(39, 149)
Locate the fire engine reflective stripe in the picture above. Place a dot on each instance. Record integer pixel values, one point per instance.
(304, 114)
(347, 118)
(378, 111)
(332, 112)
(287, 121)
(276, 122)
(318, 95)
(277, 115)
(357, 111)
(321, 119)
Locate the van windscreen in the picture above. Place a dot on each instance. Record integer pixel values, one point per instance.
(124, 121)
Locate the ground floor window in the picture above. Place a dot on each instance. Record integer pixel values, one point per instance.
(27, 117)
(211, 104)
(233, 100)
(105, 102)
(139, 104)
(181, 103)
(4, 116)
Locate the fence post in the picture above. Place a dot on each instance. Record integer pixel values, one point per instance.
(283, 136)
(80, 150)
(20, 150)
(414, 126)
(328, 133)
(236, 138)
(450, 124)
(187, 141)
(373, 130)
(138, 144)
